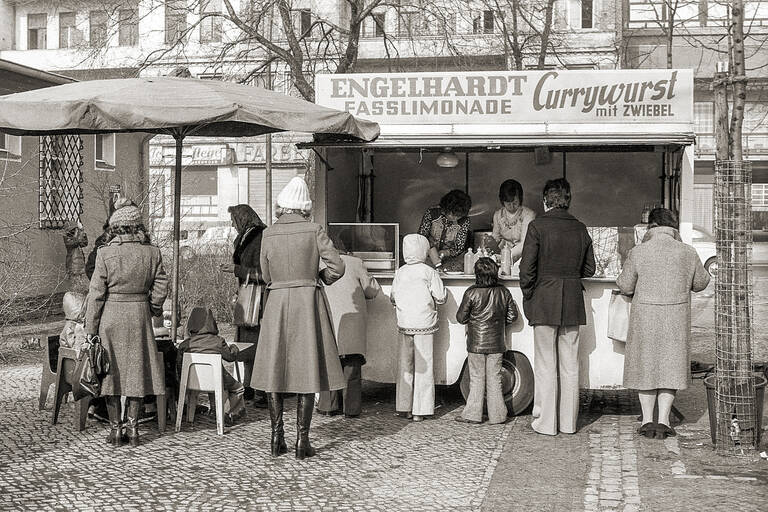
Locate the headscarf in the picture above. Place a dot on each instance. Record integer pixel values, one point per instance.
(245, 218)
(201, 321)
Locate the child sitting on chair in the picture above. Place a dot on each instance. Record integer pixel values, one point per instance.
(203, 338)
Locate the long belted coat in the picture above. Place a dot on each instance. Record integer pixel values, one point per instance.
(297, 350)
(128, 287)
(557, 253)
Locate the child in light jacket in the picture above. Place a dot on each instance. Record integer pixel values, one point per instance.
(486, 308)
(203, 338)
(416, 291)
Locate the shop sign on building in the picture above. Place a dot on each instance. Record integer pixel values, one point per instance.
(519, 97)
(198, 154)
(255, 153)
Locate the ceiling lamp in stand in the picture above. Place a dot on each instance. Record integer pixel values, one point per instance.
(447, 159)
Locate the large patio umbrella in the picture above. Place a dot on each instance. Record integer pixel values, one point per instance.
(178, 107)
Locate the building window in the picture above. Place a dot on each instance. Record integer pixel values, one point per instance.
(175, 20)
(61, 177)
(379, 20)
(200, 191)
(97, 29)
(210, 26)
(305, 21)
(586, 13)
(703, 117)
(128, 27)
(760, 196)
(36, 31)
(104, 152)
(10, 147)
(69, 36)
(482, 22)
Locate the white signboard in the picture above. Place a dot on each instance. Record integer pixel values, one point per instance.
(514, 97)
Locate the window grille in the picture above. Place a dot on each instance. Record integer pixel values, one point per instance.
(61, 178)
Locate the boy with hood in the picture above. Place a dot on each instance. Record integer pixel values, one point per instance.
(416, 291)
(203, 338)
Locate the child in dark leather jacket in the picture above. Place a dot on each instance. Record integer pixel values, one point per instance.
(486, 308)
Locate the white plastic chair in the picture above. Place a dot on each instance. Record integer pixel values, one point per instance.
(201, 372)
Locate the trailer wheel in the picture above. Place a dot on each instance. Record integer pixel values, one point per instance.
(516, 382)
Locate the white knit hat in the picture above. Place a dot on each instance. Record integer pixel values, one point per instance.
(295, 195)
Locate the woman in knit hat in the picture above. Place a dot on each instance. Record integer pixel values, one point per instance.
(127, 289)
(297, 349)
(245, 265)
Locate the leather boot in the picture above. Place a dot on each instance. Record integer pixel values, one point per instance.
(115, 436)
(275, 403)
(305, 406)
(132, 424)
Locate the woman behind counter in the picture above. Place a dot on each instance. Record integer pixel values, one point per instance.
(447, 228)
(510, 222)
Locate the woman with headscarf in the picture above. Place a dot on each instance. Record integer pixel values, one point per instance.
(128, 288)
(245, 265)
(297, 348)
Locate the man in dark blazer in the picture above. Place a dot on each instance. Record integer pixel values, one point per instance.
(557, 253)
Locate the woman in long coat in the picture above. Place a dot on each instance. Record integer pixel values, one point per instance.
(297, 349)
(128, 288)
(660, 273)
(246, 265)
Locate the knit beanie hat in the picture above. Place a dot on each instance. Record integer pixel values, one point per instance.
(126, 214)
(295, 195)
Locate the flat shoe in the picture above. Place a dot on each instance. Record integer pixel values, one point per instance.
(648, 430)
(416, 417)
(664, 431)
(404, 415)
(462, 419)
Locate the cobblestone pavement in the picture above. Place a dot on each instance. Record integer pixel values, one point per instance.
(376, 462)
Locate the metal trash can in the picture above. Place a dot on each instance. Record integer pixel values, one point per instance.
(709, 382)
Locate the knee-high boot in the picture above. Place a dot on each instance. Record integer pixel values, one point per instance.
(115, 436)
(132, 424)
(305, 406)
(275, 403)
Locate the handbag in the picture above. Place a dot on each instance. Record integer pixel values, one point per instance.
(92, 366)
(618, 316)
(248, 303)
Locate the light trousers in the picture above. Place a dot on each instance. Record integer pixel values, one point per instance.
(485, 380)
(556, 379)
(415, 388)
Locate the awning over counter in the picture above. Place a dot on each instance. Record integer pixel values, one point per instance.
(511, 143)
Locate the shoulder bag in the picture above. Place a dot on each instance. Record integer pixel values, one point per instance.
(248, 303)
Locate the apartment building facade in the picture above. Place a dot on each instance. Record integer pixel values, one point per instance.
(98, 39)
(693, 34)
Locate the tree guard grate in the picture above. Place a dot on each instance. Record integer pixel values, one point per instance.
(61, 177)
(737, 422)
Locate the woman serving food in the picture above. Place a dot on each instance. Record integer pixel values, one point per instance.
(510, 222)
(447, 228)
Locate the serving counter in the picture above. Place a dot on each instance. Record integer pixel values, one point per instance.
(601, 358)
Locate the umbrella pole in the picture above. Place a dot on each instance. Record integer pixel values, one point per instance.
(176, 228)
(268, 179)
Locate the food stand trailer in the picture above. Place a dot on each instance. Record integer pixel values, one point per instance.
(622, 138)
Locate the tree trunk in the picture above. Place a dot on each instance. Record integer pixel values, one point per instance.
(545, 33)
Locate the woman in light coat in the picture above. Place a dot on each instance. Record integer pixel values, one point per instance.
(660, 273)
(128, 288)
(347, 301)
(297, 349)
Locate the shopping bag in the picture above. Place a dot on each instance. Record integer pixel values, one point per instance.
(248, 304)
(92, 366)
(618, 316)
